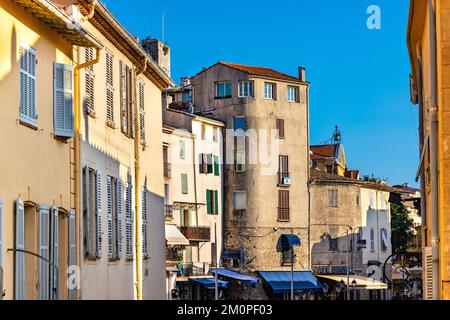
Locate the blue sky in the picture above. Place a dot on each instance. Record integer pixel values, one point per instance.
(359, 77)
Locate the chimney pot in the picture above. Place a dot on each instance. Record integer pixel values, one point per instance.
(302, 73)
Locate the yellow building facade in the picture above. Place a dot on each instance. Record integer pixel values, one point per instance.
(429, 46)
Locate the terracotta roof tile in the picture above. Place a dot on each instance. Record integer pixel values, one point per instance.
(323, 151)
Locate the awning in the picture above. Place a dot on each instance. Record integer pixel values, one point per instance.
(232, 254)
(209, 282)
(235, 275)
(280, 281)
(289, 240)
(361, 282)
(174, 236)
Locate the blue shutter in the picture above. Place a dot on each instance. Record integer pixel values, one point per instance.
(63, 100)
(54, 238)
(27, 84)
(110, 217)
(72, 291)
(20, 256)
(129, 220)
(44, 251)
(98, 213)
(119, 218)
(144, 223)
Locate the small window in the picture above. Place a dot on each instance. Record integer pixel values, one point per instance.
(384, 239)
(239, 161)
(245, 89)
(280, 128)
(223, 90)
(269, 90)
(215, 134)
(292, 94)
(203, 131)
(216, 166)
(333, 244)
(287, 256)
(240, 200)
(184, 183)
(182, 149)
(283, 205)
(333, 198)
(372, 240)
(240, 124)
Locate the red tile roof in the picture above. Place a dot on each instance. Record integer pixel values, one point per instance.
(323, 151)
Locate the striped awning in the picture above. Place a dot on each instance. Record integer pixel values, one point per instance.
(361, 282)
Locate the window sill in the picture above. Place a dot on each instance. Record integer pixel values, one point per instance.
(111, 125)
(221, 98)
(280, 138)
(281, 185)
(283, 220)
(28, 124)
(91, 113)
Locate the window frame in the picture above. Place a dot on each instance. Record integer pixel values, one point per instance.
(289, 97)
(272, 91)
(243, 86)
(224, 84)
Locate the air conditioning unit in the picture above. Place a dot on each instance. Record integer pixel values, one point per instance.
(287, 181)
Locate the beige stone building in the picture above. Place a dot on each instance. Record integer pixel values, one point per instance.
(266, 159)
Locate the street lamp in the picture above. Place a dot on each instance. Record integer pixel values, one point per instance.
(325, 289)
(354, 284)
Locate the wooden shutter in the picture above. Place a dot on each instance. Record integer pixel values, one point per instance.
(27, 84)
(109, 88)
(89, 82)
(182, 149)
(144, 223)
(216, 166)
(119, 219)
(123, 97)
(216, 202)
(44, 246)
(129, 220)
(98, 214)
(428, 273)
(141, 111)
(72, 291)
(280, 128)
(110, 217)
(131, 102)
(283, 205)
(54, 238)
(19, 287)
(63, 100)
(208, 201)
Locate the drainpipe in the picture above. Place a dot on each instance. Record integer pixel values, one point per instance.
(434, 151)
(137, 158)
(308, 183)
(76, 148)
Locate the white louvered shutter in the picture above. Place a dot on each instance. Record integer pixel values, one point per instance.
(144, 223)
(129, 221)
(72, 291)
(141, 111)
(98, 213)
(27, 84)
(54, 238)
(63, 100)
(428, 273)
(109, 88)
(110, 217)
(20, 256)
(44, 251)
(119, 219)
(1, 237)
(87, 232)
(123, 97)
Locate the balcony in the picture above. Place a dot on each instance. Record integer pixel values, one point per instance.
(168, 211)
(196, 233)
(167, 170)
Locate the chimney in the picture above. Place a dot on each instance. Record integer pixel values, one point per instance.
(159, 51)
(302, 73)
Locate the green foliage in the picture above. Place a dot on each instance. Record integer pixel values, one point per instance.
(402, 228)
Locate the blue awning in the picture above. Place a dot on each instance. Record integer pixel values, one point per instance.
(280, 281)
(289, 240)
(235, 275)
(209, 282)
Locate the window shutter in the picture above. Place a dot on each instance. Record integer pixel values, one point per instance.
(184, 183)
(27, 84)
(109, 216)
(129, 221)
(54, 238)
(89, 81)
(119, 218)
(20, 256)
(131, 102)
(1, 237)
(210, 163)
(72, 291)
(216, 166)
(182, 149)
(141, 111)
(63, 100)
(123, 97)
(283, 205)
(43, 266)
(98, 214)
(280, 128)
(208, 201)
(109, 88)
(216, 202)
(86, 219)
(428, 273)
(144, 223)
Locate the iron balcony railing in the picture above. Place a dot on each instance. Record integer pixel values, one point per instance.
(196, 233)
(192, 270)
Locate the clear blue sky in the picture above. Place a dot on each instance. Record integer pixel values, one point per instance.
(359, 77)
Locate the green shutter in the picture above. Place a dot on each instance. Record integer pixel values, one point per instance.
(216, 202)
(216, 166)
(208, 201)
(184, 183)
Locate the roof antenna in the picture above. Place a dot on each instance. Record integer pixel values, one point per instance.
(162, 27)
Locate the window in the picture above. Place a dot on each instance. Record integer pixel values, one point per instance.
(269, 90)
(283, 169)
(144, 212)
(245, 89)
(182, 149)
(240, 200)
(280, 128)
(223, 90)
(141, 95)
(215, 134)
(63, 100)
(129, 220)
(283, 205)
(126, 100)
(287, 256)
(239, 161)
(109, 90)
(371, 206)
(203, 131)
(384, 239)
(333, 243)
(372, 240)
(292, 94)
(27, 84)
(89, 81)
(240, 124)
(216, 166)
(114, 215)
(184, 183)
(358, 200)
(333, 198)
(382, 202)
(92, 198)
(212, 201)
